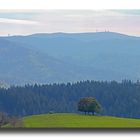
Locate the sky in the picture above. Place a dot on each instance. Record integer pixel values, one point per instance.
(24, 22)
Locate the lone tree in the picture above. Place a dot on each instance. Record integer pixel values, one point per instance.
(89, 104)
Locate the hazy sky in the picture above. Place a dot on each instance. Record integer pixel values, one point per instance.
(36, 21)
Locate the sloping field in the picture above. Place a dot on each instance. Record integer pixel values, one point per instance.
(67, 120)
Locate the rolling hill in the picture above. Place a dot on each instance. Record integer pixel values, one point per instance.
(67, 120)
(66, 57)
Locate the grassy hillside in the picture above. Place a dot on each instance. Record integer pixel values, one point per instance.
(63, 120)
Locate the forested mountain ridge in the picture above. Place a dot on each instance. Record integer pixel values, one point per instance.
(117, 99)
(20, 65)
(68, 57)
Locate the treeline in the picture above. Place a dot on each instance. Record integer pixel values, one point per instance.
(117, 99)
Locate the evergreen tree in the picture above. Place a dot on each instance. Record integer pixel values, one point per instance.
(117, 98)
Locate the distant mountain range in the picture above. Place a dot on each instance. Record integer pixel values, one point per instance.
(68, 57)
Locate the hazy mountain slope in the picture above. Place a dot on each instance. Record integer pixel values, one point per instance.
(105, 55)
(61, 57)
(20, 65)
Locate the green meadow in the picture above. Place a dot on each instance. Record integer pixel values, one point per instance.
(68, 120)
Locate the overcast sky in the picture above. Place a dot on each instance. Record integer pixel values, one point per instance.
(39, 21)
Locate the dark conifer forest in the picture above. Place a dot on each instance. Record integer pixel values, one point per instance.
(116, 98)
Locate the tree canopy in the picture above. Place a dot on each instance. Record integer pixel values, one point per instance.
(89, 104)
(120, 99)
